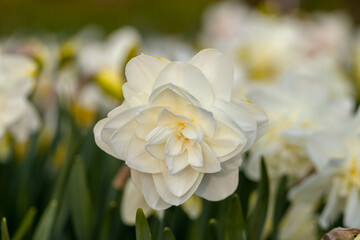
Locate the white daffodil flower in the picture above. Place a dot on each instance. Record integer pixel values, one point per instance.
(337, 160)
(297, 107)
(17, 115)
(179, 129)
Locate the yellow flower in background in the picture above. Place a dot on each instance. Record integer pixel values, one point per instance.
(179, 129)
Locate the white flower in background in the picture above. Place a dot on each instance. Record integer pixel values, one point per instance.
(17, 116)
(337, 179)
(260, 45)
(132, 199)
(326, 35)
(297, 107)
(299, 222)
(179, 130)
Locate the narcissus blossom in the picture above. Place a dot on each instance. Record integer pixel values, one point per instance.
(17, 116)
(179, 129)
(336, 156)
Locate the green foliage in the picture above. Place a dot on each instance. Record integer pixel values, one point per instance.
(257, 218)
(26, 224)
(142, 226)
(235, 225)
(4, 230)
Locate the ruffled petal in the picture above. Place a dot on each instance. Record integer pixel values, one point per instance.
(138, 158)
(120, 139)
(177, 163)
(132, 199)
(195, 156)
(189, 78)
(210, 163)
(225, 140)
(203, 118)
(168, 196)
(218, 70)
(218, 186)
(151, 194)
(142, 71)
(181, 182)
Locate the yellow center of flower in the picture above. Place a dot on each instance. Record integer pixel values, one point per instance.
(350, 177)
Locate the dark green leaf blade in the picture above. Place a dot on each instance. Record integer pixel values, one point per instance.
(4, 230)
(281, 204)
(45, 225)
(80, 201)
(26, 224)
(142, 226)
(258, 216)
(167, 234)
(235, 225)
(214, 232)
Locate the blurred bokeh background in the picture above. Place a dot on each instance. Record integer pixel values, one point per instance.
(161, 16)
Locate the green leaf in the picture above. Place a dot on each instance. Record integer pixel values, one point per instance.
(235, 225)
(142, 226)
(167, 234)
(281, 204)
(108, 219)
(213, 232)
(80, 201)
(44, 227)
(258, 216)
(25, 224)
(4, 230)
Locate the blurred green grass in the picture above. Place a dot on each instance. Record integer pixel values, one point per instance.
(178, 16)
(149, 16)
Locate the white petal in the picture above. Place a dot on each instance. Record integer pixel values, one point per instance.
(203, 118)
(324, 147)
(132, 199)
(189, 78)
(218, 69)
(210, 163)
(120, 139)
(195, 156)
(311, 188)
(174, 145)
(177, 163)
(156, 150)
(190, 132)
(149, 115)
(257, 114)
(237, 119)
(114, 123)
(142, 71)
(99, 141)
(137, 157)
(158, 135)
(172, 97)
(167, 118)
(168, 196)
(225, 140)
(151, 195)
(134, 97)
(218, 186)
(352, 210)
(331, 210)
(181, 182)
